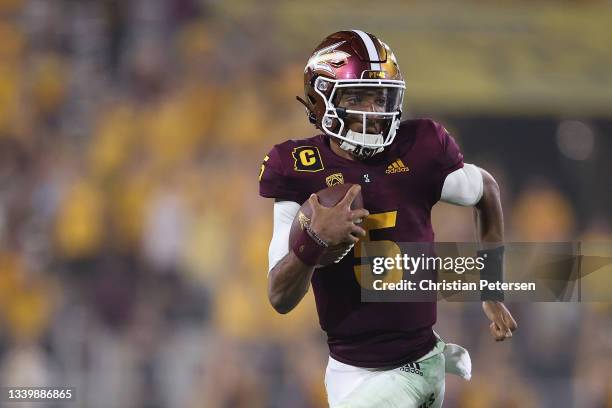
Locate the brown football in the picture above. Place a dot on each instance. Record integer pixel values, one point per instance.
(328, 197)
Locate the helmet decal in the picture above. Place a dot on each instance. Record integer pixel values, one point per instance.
(327, 58)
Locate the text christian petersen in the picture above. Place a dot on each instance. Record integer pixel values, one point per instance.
(459, 265)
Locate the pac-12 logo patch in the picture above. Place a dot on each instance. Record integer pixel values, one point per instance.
(307, 158)
(334, 179)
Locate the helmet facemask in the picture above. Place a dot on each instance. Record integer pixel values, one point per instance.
(371, 105)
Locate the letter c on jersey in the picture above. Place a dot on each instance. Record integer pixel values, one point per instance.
(307, 158)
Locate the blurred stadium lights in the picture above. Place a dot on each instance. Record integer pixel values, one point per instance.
(575, 139)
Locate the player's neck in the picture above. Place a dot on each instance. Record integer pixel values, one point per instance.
(335, 147)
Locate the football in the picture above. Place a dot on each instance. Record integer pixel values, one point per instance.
(328, 197)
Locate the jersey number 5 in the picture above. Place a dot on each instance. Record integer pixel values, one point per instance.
(367, 249)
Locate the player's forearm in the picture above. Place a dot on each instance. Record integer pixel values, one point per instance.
(288, 282)
(490, 226)
(488, 212)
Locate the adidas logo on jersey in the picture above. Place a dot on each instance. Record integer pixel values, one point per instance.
(396, 167)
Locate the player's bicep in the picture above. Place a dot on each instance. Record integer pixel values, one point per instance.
(284, 213)
(463, 186)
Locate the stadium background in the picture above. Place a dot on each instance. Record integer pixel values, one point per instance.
(133, 249)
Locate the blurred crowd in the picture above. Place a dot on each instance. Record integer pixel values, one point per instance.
(133, 247)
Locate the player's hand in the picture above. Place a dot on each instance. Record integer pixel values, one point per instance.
(502, 323)
(337, 225)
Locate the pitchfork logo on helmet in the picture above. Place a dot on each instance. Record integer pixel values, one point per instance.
(326, 59)
(354, 91)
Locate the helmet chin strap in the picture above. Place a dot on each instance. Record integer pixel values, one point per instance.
(360, 151)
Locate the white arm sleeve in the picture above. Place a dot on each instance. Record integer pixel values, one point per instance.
(284, 213)
(463, 186)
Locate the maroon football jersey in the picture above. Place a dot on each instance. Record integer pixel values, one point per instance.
(399, 186)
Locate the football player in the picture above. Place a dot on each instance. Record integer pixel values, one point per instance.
(382, 354)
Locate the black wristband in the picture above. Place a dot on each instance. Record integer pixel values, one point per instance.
(492, 272)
